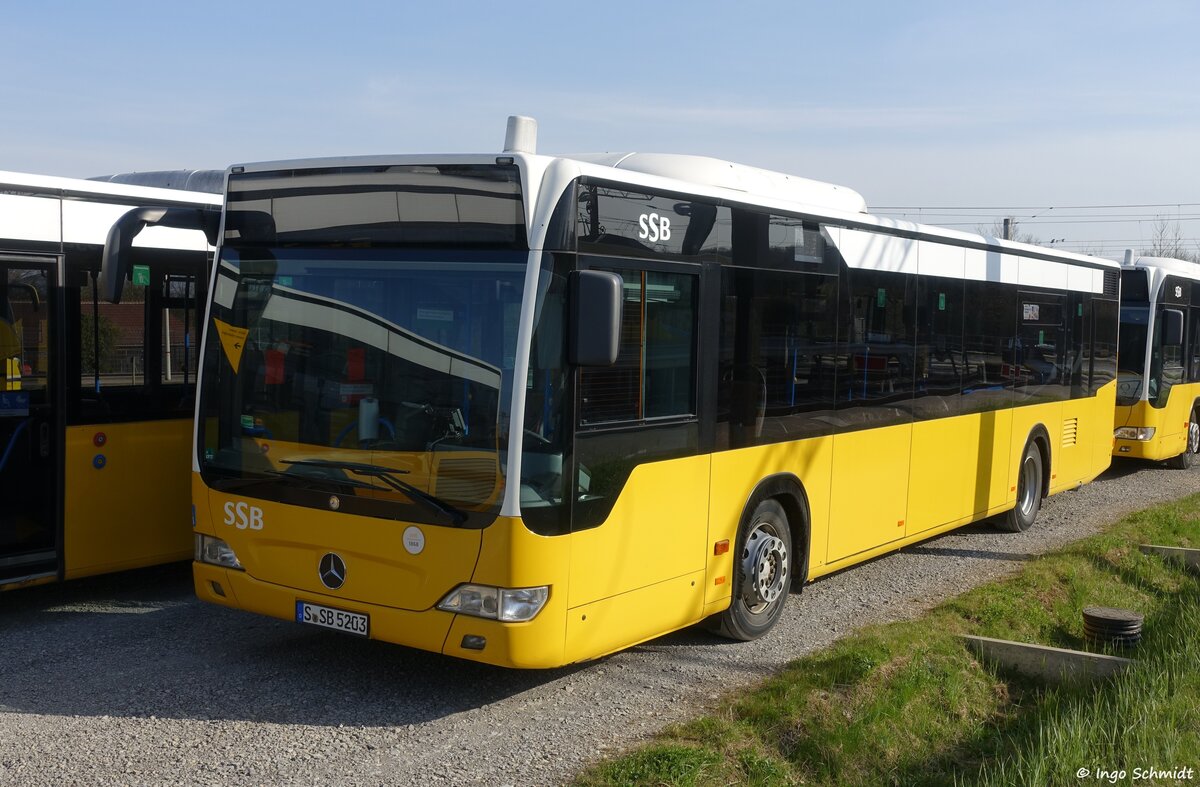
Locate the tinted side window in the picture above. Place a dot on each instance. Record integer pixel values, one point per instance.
(1194, 345)
(989, 323)
(1040, 349)
(1105, 316)
(876, 348)
(940, 359)
(778, 357)
(1079, 333)
(1168, 358)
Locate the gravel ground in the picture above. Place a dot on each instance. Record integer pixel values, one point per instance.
(129, 680)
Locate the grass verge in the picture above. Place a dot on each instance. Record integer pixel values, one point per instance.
(906, 703)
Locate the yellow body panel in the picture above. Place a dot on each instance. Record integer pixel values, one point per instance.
(513, 556)
(615, 623)
(734, 476)
(959, 469)
(657, 530)
(1170, 424)
(133, 512)
(869, 497)
(1081, 427)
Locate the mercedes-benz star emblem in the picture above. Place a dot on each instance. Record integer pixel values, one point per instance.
(332, 571)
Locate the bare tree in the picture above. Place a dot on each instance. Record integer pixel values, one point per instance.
(1168, 241)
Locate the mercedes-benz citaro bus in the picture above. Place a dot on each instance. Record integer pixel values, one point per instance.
(97, 403)
(531, 410)
(1158, 375)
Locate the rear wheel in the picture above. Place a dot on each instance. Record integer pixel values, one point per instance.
(1184, 460)
(1029, 493)
(762, 574)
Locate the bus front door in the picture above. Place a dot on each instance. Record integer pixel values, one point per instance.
(28, 433)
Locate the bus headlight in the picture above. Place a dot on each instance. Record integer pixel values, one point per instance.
(215, 551)
(508, 605)
(1133, 432)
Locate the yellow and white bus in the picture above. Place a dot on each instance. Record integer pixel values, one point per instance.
(1158, 379)
(530, 410)
(97, 402)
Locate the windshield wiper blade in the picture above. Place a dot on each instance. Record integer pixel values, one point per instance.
(388, 476)
(273, 476)
(331, 479)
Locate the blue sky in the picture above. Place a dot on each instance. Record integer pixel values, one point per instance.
(1027, 105)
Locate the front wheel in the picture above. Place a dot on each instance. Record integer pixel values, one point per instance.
(1184, 460)
(1029, 493)
(762, 574)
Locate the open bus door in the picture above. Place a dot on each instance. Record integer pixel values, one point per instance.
(30, 426)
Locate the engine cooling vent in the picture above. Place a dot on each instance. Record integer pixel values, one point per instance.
(1112, 283)
(473, 480)
(1070, 432)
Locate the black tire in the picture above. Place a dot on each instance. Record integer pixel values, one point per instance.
(1029, 493)
(762, 574)
(1184, 460)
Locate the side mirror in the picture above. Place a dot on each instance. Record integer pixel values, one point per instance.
(116, 260)
(595, 330)
(1172, 328)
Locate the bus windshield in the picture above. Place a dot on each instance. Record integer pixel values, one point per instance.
(1131, 355)
(321, 362)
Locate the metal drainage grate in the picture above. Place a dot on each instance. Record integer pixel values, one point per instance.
(1120, 627)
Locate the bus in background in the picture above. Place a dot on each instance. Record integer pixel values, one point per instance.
(1158, 378)
(97, 401)
(531, 410)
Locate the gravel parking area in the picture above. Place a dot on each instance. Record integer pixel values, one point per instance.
(130, 680)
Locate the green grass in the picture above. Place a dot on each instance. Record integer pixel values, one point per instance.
(906, 703)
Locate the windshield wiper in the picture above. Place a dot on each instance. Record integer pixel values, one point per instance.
(273, 476)
(388, 476)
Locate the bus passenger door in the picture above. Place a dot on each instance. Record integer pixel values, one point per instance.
(29, 428)
(871, 450)
(128, 433)
(640, 513)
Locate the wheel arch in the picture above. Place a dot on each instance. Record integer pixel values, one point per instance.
(789, 491)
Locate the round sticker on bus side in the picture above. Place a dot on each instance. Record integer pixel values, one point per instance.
(414, 540)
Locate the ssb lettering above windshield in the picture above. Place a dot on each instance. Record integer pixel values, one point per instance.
(654, 227)
(243, 516)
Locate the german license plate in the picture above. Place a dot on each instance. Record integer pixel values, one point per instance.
(336, 619)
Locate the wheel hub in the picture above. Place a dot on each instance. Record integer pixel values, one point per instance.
(765, 568)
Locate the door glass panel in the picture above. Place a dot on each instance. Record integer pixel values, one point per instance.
(27, 434)
(24, 323)
(654, 376)
(179, 360)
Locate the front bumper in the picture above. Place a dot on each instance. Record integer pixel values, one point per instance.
(536, 644)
